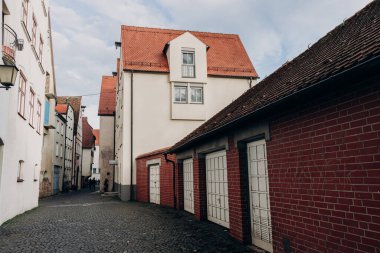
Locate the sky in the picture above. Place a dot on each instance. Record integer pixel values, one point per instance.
(272, 31)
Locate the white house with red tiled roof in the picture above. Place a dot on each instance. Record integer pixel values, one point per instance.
(106, 112)
(171, 82)
(26, 45)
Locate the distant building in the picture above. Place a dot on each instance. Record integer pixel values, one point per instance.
(95, 171)
(88, 145)
(26, 35)
(76, 104)
(67, 112)
(171, 82)
(106, 113)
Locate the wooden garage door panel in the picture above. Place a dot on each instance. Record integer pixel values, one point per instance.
(188, 185)
(261, 226)
(217, 188)
(154, 184)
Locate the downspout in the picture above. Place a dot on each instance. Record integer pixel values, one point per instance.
(131, 190)
(64, 159)
(173, 167)
(250, 82)
(114, 150)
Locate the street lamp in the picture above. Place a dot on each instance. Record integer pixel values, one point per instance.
(8, 74)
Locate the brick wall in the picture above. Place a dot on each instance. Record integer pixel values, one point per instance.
(166, 179)
(238, 195)
(200, 194)
(324, 174)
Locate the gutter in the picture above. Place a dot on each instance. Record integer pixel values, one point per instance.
(173, 166)
(275, 103)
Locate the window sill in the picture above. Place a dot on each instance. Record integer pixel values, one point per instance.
(35, 52)
(22, 116)
(20, 180)
(26, 31)
(41, 67)
(181, 103)
(196, 103)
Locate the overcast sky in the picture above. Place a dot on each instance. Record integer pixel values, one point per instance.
(272, 31)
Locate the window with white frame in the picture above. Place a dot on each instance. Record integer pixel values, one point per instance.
(196, 94)
(21, 95)
(34, 31)
(56, 149)
(38, 123)
(58, 126)
(20, 171)
(180, 94)
(188, 64)
(31, 107)
(41, 48)
(25, 5)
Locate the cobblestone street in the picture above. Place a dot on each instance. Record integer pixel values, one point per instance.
(84, 221)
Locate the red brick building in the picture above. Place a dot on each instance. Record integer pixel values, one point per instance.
(294, 163)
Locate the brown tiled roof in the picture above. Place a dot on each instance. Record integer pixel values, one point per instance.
(61, 108)
(107, 100)
(75, 102)
(88, 138)
(142, 50)
(155, 152)
(97, 136)
(349, 44)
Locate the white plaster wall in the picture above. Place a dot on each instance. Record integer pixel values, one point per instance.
(106, 149)
(22, 142)
(187, 40)
(153, 127)
(87, 161)
(95, 165)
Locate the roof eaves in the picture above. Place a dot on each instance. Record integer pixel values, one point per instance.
(272, 104)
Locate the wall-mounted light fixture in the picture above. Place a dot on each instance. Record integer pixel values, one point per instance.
(8, 74)
(114, 74)
(117, 44)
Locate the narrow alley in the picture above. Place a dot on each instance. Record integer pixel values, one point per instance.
(86, 222)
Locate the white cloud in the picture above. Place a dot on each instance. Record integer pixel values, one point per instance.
(272, 32)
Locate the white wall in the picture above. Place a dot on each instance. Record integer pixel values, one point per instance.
(22, 142)
(153, 126)
(87, 161)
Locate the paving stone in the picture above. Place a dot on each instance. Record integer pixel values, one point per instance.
(86, 222)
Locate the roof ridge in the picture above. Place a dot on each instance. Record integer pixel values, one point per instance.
(125, 27)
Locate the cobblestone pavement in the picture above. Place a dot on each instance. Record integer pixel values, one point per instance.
(86, 222)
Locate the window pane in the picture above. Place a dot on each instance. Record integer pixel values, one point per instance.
(183, 94)
(176, 94)
(188, 58)
(197, 94)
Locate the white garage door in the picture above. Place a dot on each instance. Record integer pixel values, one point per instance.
(154, 184)
(217, 188)
(188, 185)
(259, 195)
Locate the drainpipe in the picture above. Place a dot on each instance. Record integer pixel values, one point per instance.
(64, 158)
(250, 82)
(131, 190)
(173, 166)
(114, 150)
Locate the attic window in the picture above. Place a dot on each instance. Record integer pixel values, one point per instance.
(188, 63)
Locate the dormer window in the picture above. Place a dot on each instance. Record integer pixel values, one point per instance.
(188, 63)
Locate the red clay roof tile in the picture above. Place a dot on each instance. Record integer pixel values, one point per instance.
(143, 47)
(61, 108)
(88, 138)
(351, 43)
(107, 100)
(76, 103)
(96, 133)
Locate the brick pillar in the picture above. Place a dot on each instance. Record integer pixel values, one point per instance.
(179, 185)
(200, 195)
(238, 192)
